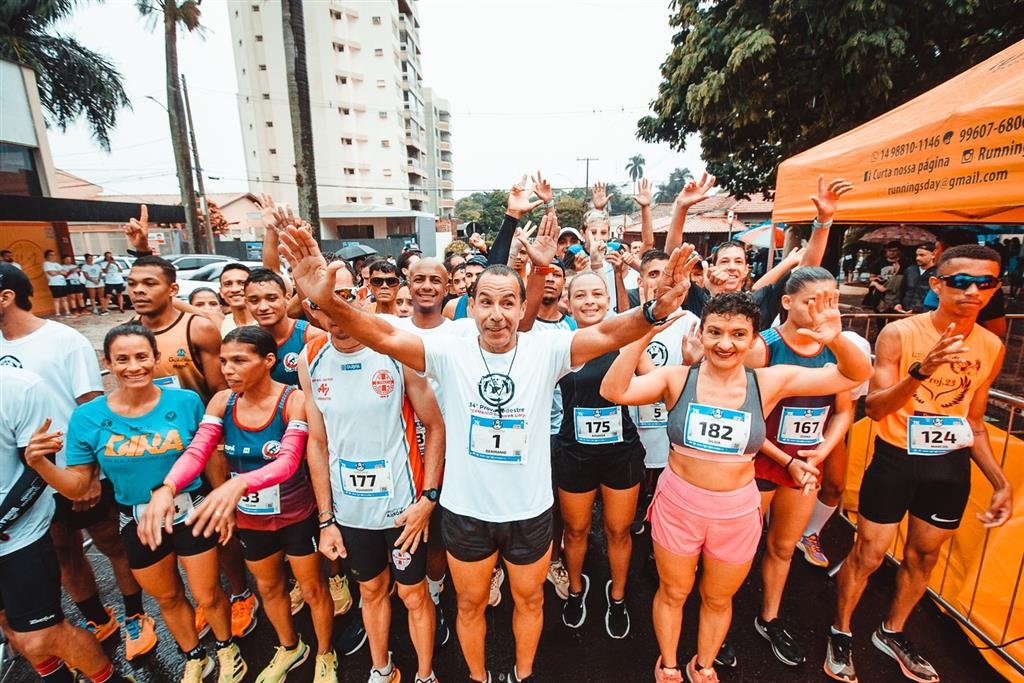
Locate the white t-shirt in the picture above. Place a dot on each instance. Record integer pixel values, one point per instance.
(498, 470)
(72, 275)
(665, 348)
(66, 362)
(112, 274)
(24, 405)
(54, 274)
(631, 279)
(93, 273)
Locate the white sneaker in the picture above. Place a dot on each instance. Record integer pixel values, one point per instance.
(558, 576)
(497, 578)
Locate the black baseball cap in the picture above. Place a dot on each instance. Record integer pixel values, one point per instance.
(478, 260)
(14, 279)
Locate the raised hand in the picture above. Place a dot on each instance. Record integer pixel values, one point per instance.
(674, 282)
(616, 261)
(542, 250)
(693, 348)
(542, 188)
(643, 196)
(476, 240)
(946, 350)
(794, 256)
(310, 270)
(826, 324)
(600, 196)
(597, 250)
(136, 230)
(695, 191)
(519, 201)
(580, 262)
(828, 197)
(43, 443)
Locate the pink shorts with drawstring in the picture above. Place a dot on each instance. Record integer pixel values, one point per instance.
(688, 520)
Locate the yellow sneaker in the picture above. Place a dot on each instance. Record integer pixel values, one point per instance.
(326, 668)
(284, 661)
(106, 629)
(202, 626)
(296, 599)
(243, 615)
(232, 666)
(196, 670)
(139, 636)
(340, 593)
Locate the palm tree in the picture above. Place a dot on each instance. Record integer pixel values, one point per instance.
(666, 192)
(635, 167)
(171, 14)
(294, 34)
(72, 80)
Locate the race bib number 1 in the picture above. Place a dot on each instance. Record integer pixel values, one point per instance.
(802, 426)
(502, 441)
(598, 425)
(366, 479)
(935, 434)
(716, 430)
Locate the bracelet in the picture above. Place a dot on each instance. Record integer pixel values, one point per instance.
(327, 523)
(542, 270)
(818, 225)
(789, 463)
(329, 513)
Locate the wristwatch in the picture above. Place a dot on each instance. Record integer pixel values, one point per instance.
(915, 372)
(431, 494)
(648, 310)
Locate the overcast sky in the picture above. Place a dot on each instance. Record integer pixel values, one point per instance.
(532, 84)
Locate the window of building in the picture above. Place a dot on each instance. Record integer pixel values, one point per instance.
(375, 21)
(341, 80)
(255, 8)
(336, 15)
(344, 111)
(272, 150)
(378, 52)
(382, 114)
(350, 171)
(387, 172)
(266, 96)
(263, 67)
(259, 38)
(346, 141)
(275, 178)
(351, 199)
(389, 201)
(385, 143)
(270, 124)
(338, 47)
(381, 83)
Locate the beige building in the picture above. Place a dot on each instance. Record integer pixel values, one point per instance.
(370, 118)
(440, 185)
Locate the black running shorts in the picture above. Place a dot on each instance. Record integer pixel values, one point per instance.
(520, 542)
(371, 551)
(574, 474)
(30, 587)
(296, 540)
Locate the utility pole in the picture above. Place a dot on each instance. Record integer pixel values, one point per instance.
(199, 169)
(588, 160)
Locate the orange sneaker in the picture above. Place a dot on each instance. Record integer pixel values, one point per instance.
(202, 626)
(243, 615)
(105, 630)
(139, 636)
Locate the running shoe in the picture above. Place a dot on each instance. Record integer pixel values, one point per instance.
(340, 593)
(243, 615)
(697, 674)
(106, 629)
(786, 649)
(513, 677)
(574, 611)
(616, 618)
(388, 674)
(295, 599)
(232, 666)
(139, 636)
(497, 578)
(284, 660)
(726, 656)
(839, 658)
(638, 528)
(354, 635)
(202, 625)
(914, 666)
(429, 679)
(326, 668)
(558, 576)
(663, 675)
(811, 547)
(197, 669)
(441, 631)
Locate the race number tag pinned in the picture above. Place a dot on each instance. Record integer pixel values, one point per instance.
(598, 425)
(169, 381)
(652, 415)
(366, 478)
(936, 434)
(802, 426)
(263, 502)
(716, 430)
(182, 508)
(497, 440)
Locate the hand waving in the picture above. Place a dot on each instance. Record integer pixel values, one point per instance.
(674, 282)
(695, 191)
(310, 270)
(542, 188)
(600, 196)
(519, 201)
(542, 250)
(643, 195)
(826, 324)
(828, 197)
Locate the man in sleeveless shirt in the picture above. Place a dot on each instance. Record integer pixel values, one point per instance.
(928, 397)
(266, 295)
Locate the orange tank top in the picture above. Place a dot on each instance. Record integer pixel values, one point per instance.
(946, 394)
(180, 364)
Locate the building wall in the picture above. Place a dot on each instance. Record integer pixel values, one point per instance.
(439, 155)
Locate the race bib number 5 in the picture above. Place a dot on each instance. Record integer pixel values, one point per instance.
(598, 425)
(652, 415)
(935, 434)
(502, 441)
(716, 430)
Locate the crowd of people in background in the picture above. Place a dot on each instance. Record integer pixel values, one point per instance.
(334, 432)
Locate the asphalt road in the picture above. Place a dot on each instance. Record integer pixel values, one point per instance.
(589, 655)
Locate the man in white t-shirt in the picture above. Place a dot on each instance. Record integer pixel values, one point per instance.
(496, 399)
(92, 273)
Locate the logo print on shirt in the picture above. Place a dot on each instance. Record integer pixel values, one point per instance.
(271, 449)
(291, 362)
(400, 559)
(171, 416)
(181, 353)
(143, 444)
(658, 353)
(495, 389)
(10, 362)
(323, 389)
(382, 383)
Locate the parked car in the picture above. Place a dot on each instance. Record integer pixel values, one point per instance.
(188, 264)
(207, 276)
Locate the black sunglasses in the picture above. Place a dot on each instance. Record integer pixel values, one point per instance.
(964, 281)
(381, 281)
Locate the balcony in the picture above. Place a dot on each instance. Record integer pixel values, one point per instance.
(446, 184)
(446, 204)
(444, 165)
(415, 142)
(444, 126)
(417, 195)
(414, 168)
(444, 146)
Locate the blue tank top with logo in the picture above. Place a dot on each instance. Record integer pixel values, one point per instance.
(286, 370)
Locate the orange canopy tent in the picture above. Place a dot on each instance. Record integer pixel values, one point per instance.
(953, 155)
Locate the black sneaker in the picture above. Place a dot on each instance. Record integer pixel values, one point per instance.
(839, 658)
(914, 666)
(638, 528)
(726, 656)
(574, 610)
(486, 680)
(616, 619)
(513, 677)
(354, 635)
(784, 647)
(441, 631)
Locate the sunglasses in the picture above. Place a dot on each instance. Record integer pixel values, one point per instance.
(348, 293)
(381, 281)
(963, 281)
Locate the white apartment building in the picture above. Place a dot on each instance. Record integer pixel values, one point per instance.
(370, 122)
(440, 185)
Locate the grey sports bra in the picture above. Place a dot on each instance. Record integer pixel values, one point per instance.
(713, 433)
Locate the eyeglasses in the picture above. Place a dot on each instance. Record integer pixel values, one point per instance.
(964, 281)
(381, 281)
(348, 293)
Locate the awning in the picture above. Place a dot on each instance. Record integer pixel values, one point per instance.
(952, 155)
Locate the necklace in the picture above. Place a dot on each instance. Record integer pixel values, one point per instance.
(497, 389)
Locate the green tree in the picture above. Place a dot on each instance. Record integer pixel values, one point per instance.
(72, 80)
(569, 210)
(762, 81)
(294, 34)
(666, 192)
(172, 16)
(468, 210)
(635, 167)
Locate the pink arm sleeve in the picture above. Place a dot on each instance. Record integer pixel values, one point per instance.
(194, 459)
(293, 447)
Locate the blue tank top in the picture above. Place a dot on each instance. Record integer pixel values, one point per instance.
(462, 307)
(249, 449)
(286, 370)
(713, 433)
